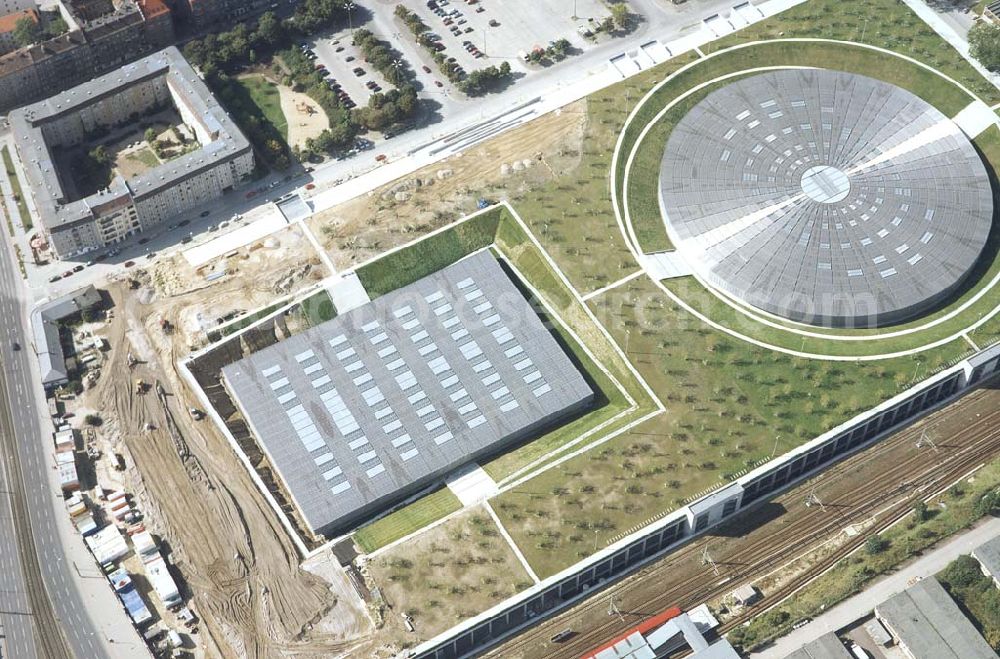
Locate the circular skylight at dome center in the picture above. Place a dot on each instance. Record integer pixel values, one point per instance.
(825, 197)
(826, 184)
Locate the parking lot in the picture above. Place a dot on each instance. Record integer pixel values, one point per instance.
(346, 71)
(505, 31)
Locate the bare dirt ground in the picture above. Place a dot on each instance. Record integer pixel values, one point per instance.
(305, 117)
(443, 576)
(522, 159)
(238, 562)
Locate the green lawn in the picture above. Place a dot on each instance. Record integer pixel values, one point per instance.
(428, 255)
(264, 95)
(318, 308)
(407, 519)
(15, 185)
(145, 156)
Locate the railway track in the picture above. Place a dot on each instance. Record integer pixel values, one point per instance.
(50, 642)
(908, 473)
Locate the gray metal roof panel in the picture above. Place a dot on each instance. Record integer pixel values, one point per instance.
(382, 439)
(783, 188)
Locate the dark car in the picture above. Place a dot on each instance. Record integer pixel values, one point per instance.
(129, 264)
(349, 58)
(16, 346)
(54, 278)
(78, 268)
(358, 71)
(339, 49)
(426, 68)
(205, 213)
(184, 223)
(143, 241)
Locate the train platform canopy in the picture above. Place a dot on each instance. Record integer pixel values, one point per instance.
(370, 407)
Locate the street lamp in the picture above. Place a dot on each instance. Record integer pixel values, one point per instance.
(350, 6)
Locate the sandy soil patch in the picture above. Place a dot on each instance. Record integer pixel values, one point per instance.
(305, 117)
(522, 159)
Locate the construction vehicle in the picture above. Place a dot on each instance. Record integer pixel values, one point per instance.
(141, 387)
(166, 326)
(131, 360)
(196, 414)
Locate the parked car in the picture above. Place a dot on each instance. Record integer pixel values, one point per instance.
(54, 278)
(79, 268)
(68, 273)
(426, 68)
(204, 213)
(129, 264)
(438, 83)
(349, 58)
(358, 71)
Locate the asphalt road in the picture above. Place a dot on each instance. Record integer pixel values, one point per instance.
(40, 573)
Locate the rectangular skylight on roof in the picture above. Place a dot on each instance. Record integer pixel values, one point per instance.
(312, 368)
(926, 238)
(442, 310)
(434, 297)
(491, 320)
(474, 295)
(449, 381)
(302, 356)
(913, 260)
(417, 397)
(372, 396)
(743, 115)
(465, 283)
(345, 353)
(375, 471)
(367, 457)
(392, 426)
(383, 412)
(887, 273)
(513, 352)
(451, 322)
(523, 364)
(332, 473)
(500, 393)
(443, 437)
(410, 324)
(477, 421)
(395, 364)
(271, 370)
(368, 327)
(406, 380)
(434, 424)
(386, 351)
(337, 340)
(491, 379)
(419, 336)
(468, 407)
(482, 306)
(438, 365)
(482, 366)
(379, 338)
(470, 350)
(531, 377)
(458, 395)
(427, 349)
(354, 366)
(402, 439)
(509, 405)
(425, 410)
(278, 384)
(408, 454)
(541, 391)
(363, 379)
(402, 311)
(355, 444)
(340, 487)
(320, 381)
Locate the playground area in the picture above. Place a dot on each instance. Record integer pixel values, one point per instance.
(305, 117)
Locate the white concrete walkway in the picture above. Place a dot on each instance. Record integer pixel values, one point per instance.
(863, 603)
(471, 484)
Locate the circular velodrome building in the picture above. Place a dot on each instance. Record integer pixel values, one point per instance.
(825, 197)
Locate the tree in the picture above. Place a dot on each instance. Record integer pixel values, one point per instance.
(920, 511)
(149, 135)
(984, 44)
(269, 30)
(962, 572)
(56, 27)
(100, 155)
(875, 545)
(620, 14)
(26, 31)
(93, 420)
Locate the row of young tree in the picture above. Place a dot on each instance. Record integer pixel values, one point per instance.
(383, 58)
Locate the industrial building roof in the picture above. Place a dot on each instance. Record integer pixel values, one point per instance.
(988, 555)
(930, 625)
(825, 197)
(827, 646)
(402, 390)
(45, 331)
(40, 169)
